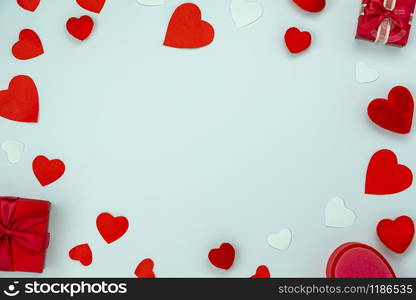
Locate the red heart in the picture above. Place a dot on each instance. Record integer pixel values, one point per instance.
(222, 257)
(20, 102)
(145, 269)
(262, 272)
(28, 46)
(82, 253)
(385, 175)
(111, 228)
(356, 260)
(396, 234)
(313, 6)
(296, 40)
(47, 171)
(92, 5)
(187, 30)
(395, 113)
(30, 5)
(81, 27)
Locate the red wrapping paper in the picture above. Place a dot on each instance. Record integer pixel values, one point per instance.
(386, 21)
(24, 235)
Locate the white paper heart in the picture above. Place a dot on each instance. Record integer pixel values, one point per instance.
(280, 240)
(150, 2)
(245, 13)
(337, 215)
(365, 74)
(14, 150)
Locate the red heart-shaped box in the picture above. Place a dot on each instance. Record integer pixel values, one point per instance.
(356, 260)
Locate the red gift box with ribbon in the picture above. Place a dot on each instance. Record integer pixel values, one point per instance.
(24, 235)
(386, 21)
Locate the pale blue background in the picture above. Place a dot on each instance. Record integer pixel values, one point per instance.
(230, 142)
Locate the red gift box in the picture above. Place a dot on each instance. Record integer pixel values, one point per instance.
(24, 235)
(386, 21)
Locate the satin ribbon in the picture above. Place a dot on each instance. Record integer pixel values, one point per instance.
(14, 230)
(376, 14)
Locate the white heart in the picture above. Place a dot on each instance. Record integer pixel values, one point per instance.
(14, 150)
(245, 13)
(150, 2)
(337, 215)
(365, 74)
(280, 240)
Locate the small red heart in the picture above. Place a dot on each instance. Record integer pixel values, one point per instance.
(395, 113)
(296, 40)
(111, 228)
(356, 260)
(261, 272)
(81, 27)
(30, 5)
(222, 257)
(20, 102)
(47, 171)
(187, 30)
(145, 269)
(92, 5)
(28, 46)
(313, 6)
(385, 175)
(396, 234)
(82, 253)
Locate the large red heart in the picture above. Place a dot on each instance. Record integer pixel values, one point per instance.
(395, 113)
(92, 5)
(82, 253)
(396, 234)
(20, 102)
(145, 269)
(28, 46)
(356, 260)
(187, 30)
(47, 171)
(385, 175)
(30, 5)
(222, 257)
(296, 40)
(81, 27)
(111, 228)
(313, 6)
(261, 272)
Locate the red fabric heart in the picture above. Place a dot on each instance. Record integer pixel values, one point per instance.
(261, 272)
(396, 234)
(81, 27)
(385, 175)
(82, 253)
(356, 260)
(187, 30)
(28, 46)
(47, 171)
(296, 40)
(313, 6)
(145, 269)
(395, 113)
(20, 102)
(30, 5)
(92, 5)
(111, 228)
(222, 257)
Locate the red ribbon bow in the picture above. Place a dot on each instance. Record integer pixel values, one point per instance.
(376, 13)
(14, 230)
